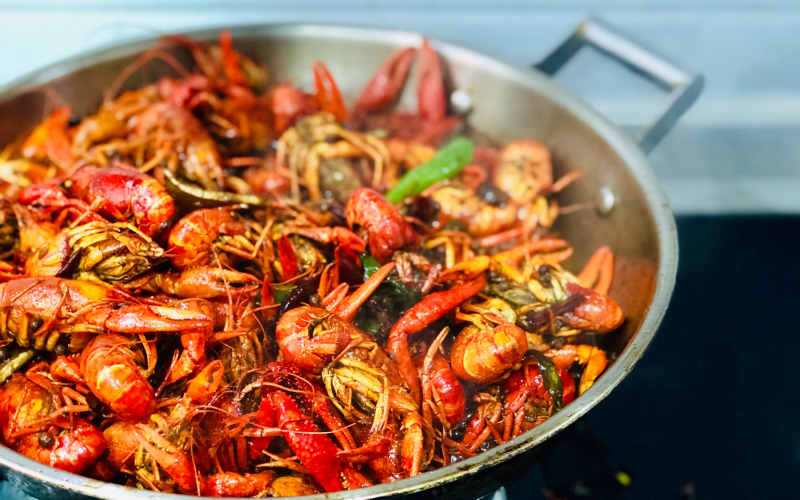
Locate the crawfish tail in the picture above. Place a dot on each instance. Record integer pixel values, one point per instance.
(114, 378)
(425, 312)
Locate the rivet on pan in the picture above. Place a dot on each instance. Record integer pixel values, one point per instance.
(461, 101)
(605, 200)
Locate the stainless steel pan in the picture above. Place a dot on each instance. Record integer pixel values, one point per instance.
(508, 101)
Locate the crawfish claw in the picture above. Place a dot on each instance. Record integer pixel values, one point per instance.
(385, 86)
(146, 318)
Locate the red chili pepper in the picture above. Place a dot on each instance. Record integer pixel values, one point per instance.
(568, 391)
(288, 258)
(264, 418)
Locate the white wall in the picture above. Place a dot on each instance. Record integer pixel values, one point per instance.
(734, 151)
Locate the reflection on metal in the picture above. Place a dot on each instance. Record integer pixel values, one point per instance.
(605, 200)
(500, 494)
(461, 101)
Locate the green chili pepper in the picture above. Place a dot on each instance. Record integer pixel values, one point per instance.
(449, 161)
(17, 360)
(370, 265)
(389, 301)
(552, 382)
(280, 292)
(385, 306)
(191, 197)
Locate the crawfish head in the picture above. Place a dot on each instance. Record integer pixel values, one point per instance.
(483, 354)
(123, 193)
(23, 404)
(584, 309)
(533, 321)
(310, 336)
(202, 236)
(355, 388)
(73, 451)
(96, 251)
(32, 303)
(388, 230)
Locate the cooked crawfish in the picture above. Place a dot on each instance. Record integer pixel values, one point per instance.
(204, 290)
(32, 427)
(315, 450)
(37, 311)
(205, 235)
(524, 169)
(302, 148)
(386, 229)
(189, 143)
(310, 337)
(430, 123)
(486, 349)
(120, 194)
(430, 309)
(123, 194)
(111, 373)
(75, 449)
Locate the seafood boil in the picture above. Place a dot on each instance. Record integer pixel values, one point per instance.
(222, 285)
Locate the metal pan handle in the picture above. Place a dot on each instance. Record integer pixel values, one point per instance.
(683, 86)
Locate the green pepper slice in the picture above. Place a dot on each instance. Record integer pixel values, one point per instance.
(448, 162)
(552, 382)
(191, 197)
(14, 363)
